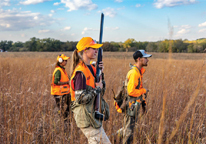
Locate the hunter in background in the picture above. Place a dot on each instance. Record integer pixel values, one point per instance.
(60, 86)
(130, 97)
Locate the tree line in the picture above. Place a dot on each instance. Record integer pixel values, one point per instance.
(51, 45)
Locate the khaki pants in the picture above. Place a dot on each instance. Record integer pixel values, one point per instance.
(96, 136)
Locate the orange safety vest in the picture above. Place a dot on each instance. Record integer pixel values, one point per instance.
(140, 73)
(90, 79)
(60, 89)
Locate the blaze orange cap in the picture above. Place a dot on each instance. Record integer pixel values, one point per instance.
(87, 42)
(63, 57)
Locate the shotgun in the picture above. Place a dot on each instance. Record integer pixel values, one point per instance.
(98, 114)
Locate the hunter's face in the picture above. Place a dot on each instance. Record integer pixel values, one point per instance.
(92, 53)
(64, 63)
(144, 61)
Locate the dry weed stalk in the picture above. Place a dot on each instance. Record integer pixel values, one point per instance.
(182, 117)
(190, 103)
(191, 124)
(28, 112)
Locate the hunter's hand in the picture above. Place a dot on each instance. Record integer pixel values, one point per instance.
(99, 84)
(101, 66)
(147, 91)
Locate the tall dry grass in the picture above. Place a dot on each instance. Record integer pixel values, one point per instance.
(28, 113)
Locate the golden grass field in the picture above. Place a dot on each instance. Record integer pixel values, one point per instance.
(176, 103)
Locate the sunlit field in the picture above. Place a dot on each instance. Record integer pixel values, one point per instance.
(176, 104)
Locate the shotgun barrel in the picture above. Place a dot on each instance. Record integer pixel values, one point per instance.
(98, 114)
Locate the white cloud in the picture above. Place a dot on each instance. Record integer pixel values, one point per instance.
(36, 17)
(72, 34)
(60, 9)
(88, 29)
(109, 12)
(67, 28)
(28, 2)
(4, 3)
(15, 20)
(109, 28)
(183, 31)
(202, 24)
(79, 4)
(6, 25)
(119, 1)
(171, 3)
(56, 4)
(138, 5)
(202, 30)
(43, 31)
(186, 26)
(52, 12)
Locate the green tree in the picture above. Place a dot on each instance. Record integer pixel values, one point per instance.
(129, 43)
(190, 48)
(163, 46)
(18, 44)
(107, 46)
(5, 45)
(31, 44)
(151, 47)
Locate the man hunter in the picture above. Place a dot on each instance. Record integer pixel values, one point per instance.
(135, 92)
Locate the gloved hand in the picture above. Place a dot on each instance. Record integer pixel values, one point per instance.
(144, 106)
(132, 107)
(145, 95)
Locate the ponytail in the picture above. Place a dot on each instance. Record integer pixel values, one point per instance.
(76, 58)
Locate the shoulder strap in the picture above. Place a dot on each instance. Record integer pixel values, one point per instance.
(126, 80)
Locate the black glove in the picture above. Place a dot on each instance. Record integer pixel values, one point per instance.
(144, 106)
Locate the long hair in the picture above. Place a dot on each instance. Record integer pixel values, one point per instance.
(76, 58)
(57, 64)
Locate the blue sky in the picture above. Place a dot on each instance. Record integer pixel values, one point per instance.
(70, 20)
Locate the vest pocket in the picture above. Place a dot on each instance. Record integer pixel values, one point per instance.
(133, 108)
(64, 89)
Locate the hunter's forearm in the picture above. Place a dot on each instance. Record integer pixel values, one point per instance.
(83, 96)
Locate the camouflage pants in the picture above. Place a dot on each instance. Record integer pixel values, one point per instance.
(129, 125)
(128, 129)
(96, 136)
(63, 103)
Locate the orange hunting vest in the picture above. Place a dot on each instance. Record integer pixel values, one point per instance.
(90, 79)
(60, 89)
